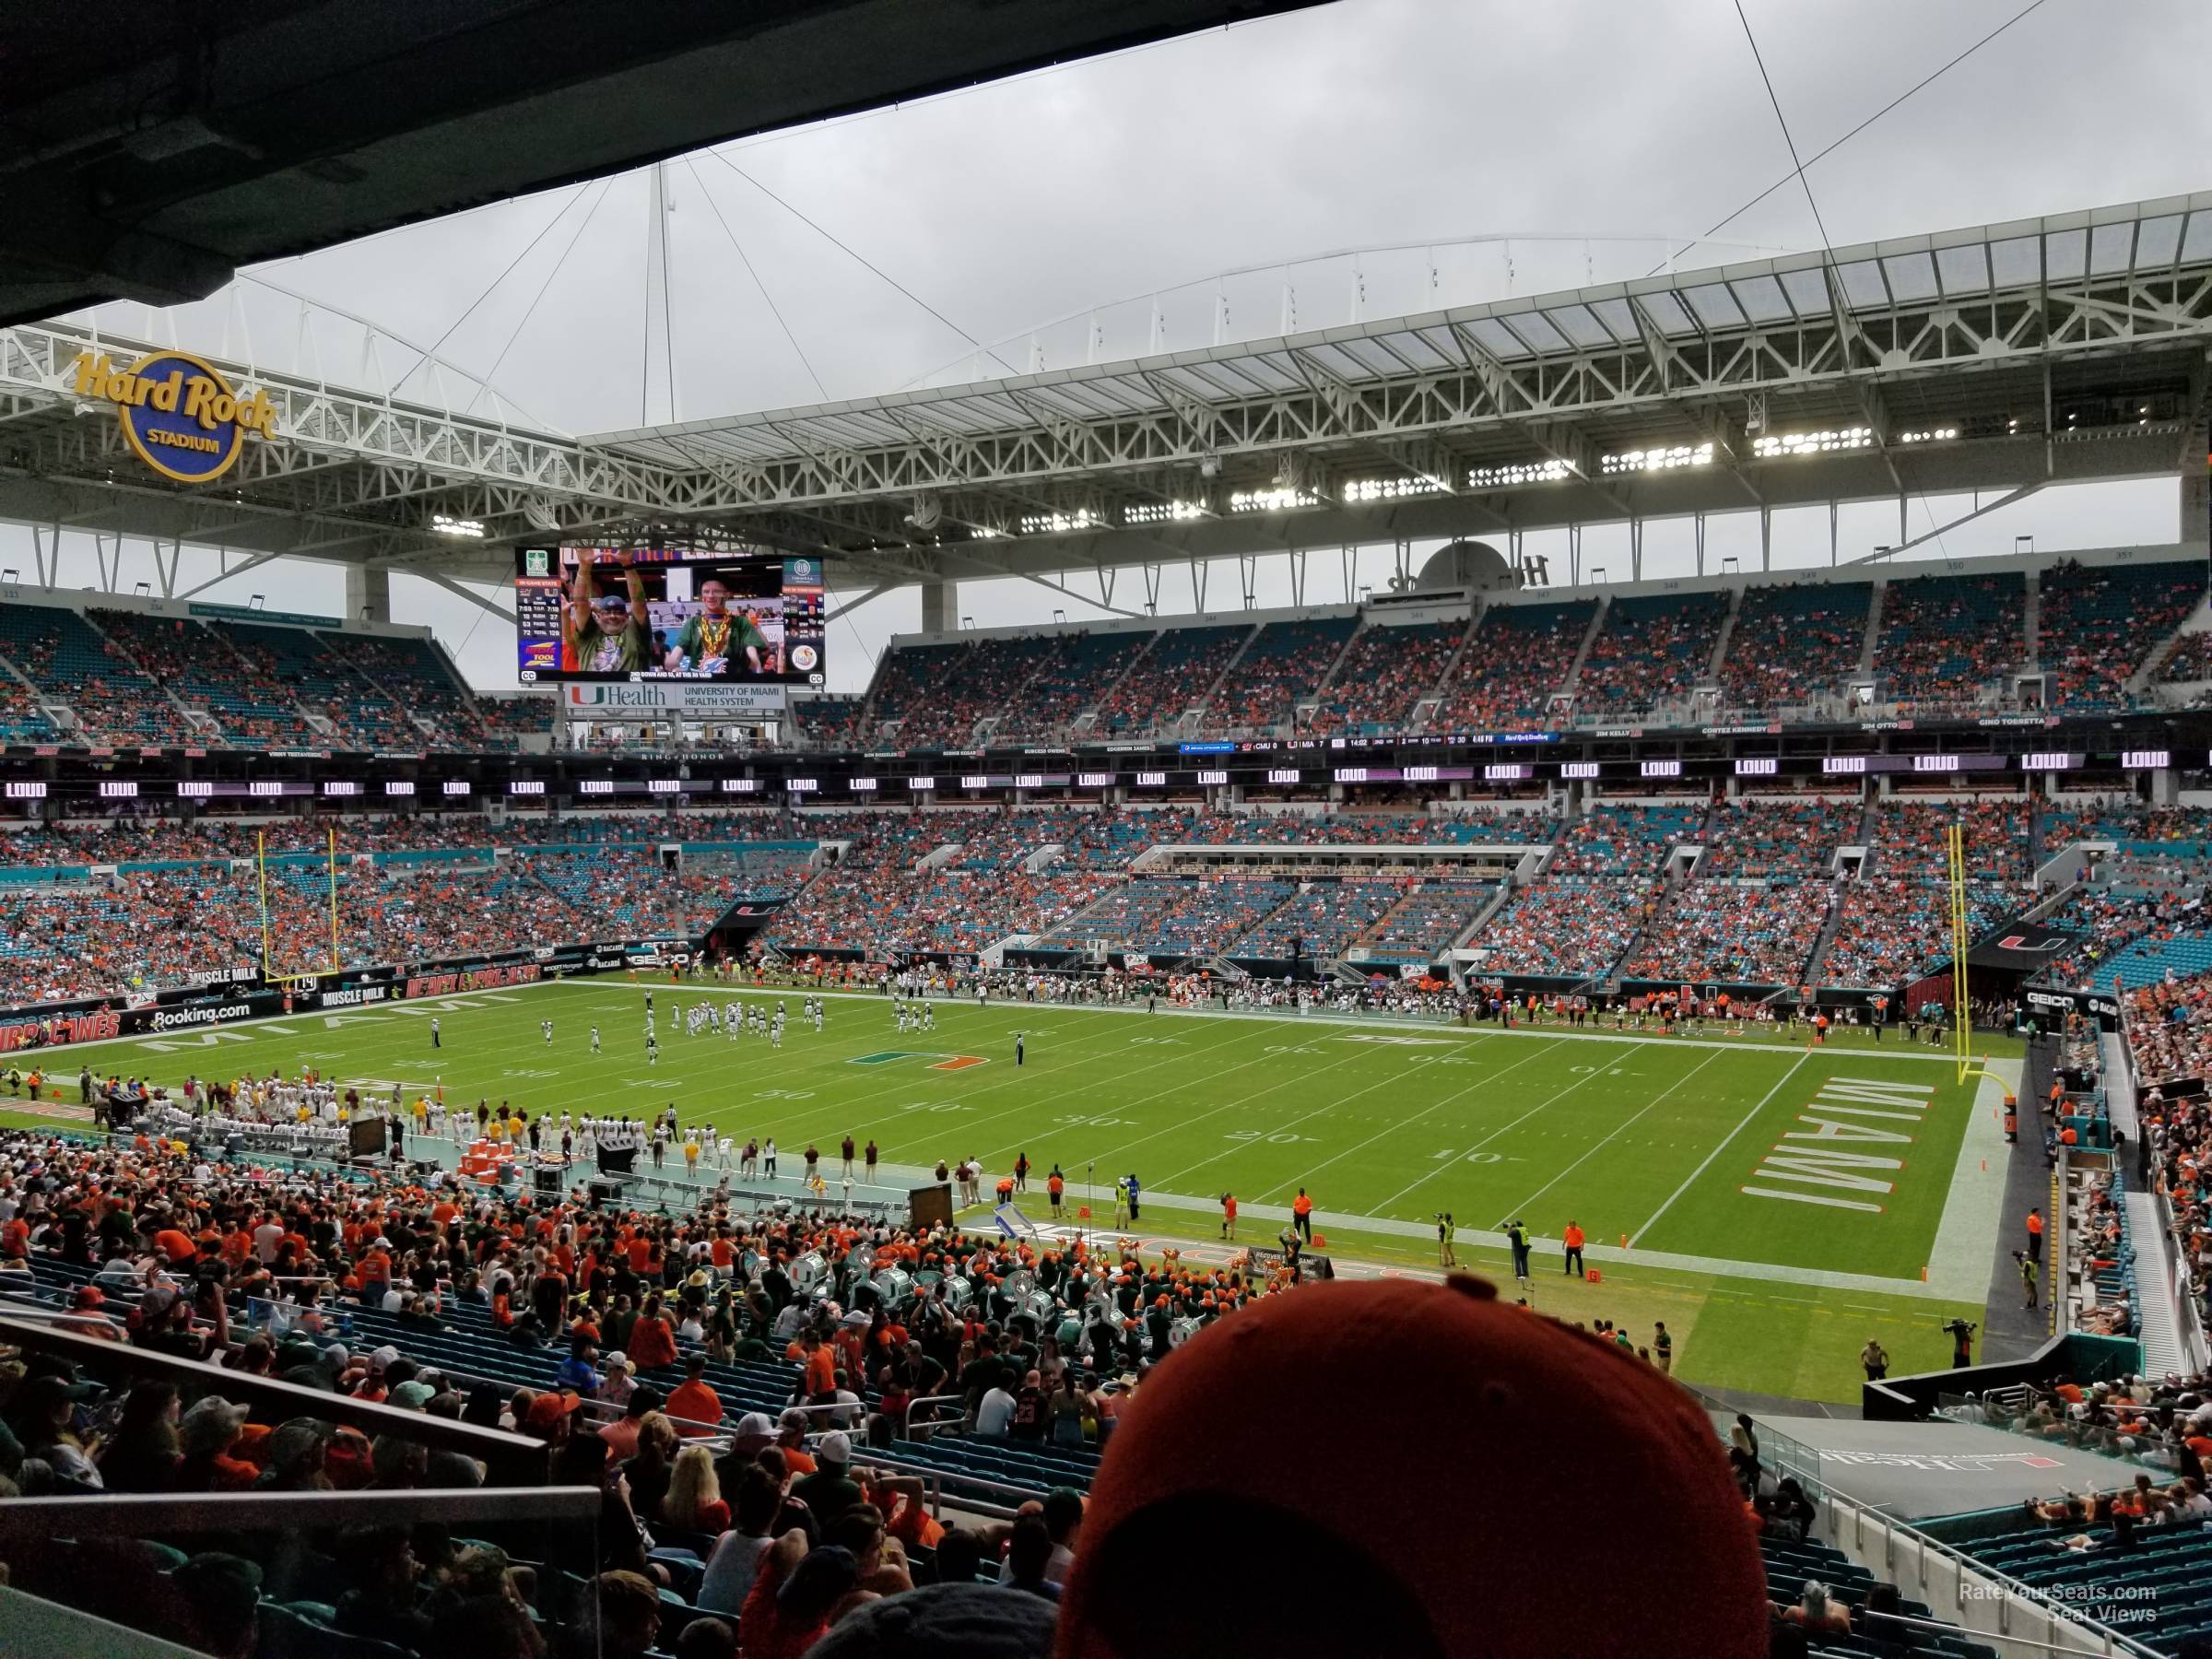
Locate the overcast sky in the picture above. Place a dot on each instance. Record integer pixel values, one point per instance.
(1587, 130)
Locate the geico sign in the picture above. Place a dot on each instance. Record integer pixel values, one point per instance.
(169, 1020)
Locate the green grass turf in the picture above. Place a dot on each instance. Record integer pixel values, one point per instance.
(1644, 1135)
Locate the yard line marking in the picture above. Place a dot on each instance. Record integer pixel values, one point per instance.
(1589, 1076)
(1526, 1204)
(1409, 1123)
(1764, 1102)
(1226, 1106)
(1302, 1117)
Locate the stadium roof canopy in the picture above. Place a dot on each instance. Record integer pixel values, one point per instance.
(1999, 360)
(188, 140)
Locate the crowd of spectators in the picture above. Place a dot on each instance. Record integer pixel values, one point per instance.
(2110, 921)
(830, 723)
(1320, 922)
(1893, 929)
(1427, 920)
(1175, 917)
(938, 693)
(1653, 649)
(1283, 666)
(1761, 839)
(176, 907)
(1170, 679)
(2170, 1028)
(1623, 841)
(1077, 671)
(71, 662)
(1792, 643)
(251, 708)
(21, 718)
(1944, 638)
(1384, 676)
(2097, 624)
(1731, 933)
(775, 1534)
(1565, 926)
(317, 682)
(1907, 839)
(1518, 656)
(2190, 660)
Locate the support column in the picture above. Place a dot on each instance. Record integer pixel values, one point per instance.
(940, 607)
(2196, 496)
(367, 594)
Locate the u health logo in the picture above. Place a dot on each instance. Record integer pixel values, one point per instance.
(177, 411)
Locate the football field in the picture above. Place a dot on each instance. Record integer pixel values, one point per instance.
(1775, 1204)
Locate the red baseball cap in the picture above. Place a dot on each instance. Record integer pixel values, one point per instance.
(1570, 1498)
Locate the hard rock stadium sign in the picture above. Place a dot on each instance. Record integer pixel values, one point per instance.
(177, 411)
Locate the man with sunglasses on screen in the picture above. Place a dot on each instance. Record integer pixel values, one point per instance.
(607, 633)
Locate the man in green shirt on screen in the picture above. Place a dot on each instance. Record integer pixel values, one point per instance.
(710, 638)
(608, 633)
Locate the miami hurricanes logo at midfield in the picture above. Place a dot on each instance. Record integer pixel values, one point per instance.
(177, 411)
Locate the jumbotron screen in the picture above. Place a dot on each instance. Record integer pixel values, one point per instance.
(665, 614)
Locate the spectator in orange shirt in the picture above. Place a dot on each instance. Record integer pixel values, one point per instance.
(696, 1406)
(652, 1339)
(622, 1435)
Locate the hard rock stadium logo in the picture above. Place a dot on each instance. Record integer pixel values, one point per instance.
(177, 411)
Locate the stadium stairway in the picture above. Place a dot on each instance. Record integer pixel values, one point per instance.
(1202, 703)
(1876, 603)
(1727, 632)
(1581, 654)
(1426, 704)
(1086, 719)
(213, 737)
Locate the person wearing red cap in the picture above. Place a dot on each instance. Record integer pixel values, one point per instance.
(1218, 1444)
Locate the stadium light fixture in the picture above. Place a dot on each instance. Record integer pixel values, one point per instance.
(1163, 512)
(1827, 442)
(1658, 460)
(463, 528)
(1929, 435)
(1392, 490)
(1281, 499)
(1518, 472)
(1059, 524)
